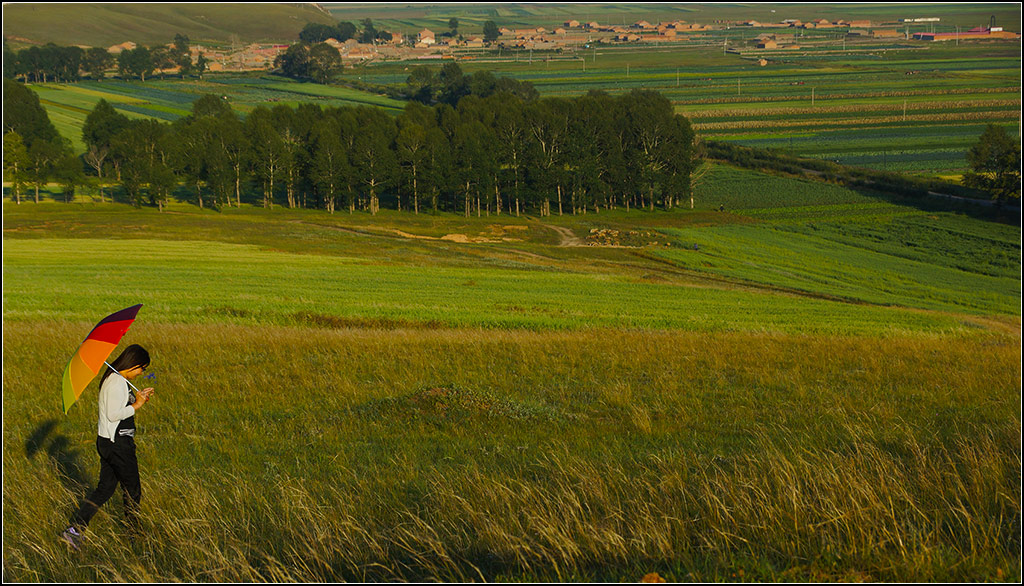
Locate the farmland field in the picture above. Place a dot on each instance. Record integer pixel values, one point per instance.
(909, 107)
(169, 99)
(826, 389)
(852, 106)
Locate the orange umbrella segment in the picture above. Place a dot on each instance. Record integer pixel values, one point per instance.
(93, 353)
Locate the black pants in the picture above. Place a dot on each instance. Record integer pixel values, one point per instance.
(117, 465)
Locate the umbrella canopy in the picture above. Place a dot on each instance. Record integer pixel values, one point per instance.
(94, 351)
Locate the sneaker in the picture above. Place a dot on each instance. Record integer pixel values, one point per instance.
(72, 537)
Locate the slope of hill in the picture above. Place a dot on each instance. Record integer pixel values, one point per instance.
(103, 25)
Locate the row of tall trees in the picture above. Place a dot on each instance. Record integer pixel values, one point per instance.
(314, 33)
(449, 85)
(488, 155)
(53, 63)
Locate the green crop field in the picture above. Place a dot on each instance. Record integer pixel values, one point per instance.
(827, 389)
(169, 99)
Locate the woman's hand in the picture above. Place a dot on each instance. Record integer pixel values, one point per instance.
(142, 397)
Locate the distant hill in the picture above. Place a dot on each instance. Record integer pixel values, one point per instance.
(103, 25)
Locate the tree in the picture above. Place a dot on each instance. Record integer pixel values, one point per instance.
(491, 33)
(212, 106)
(136, 62)
(100, 126)
(453, 24)
(315, 32)
(234, 146)
(284, 122)
(324, 62)
(162, 182)
(344, 31)
(200, 66)
(10, 63)
(68, 63)
(25, 115)
(995, 165)
(96, 62)
(47, 62)
(648, 126)
(15, 162)
(196, 152)
(67, 170)
(268, 151)
(164, 58)
(182, 55)
(42, 157)
(294, 62)
(141, 147)
(372, 156)
(548, 122)
(454, 84)
(369, 34)
(330, 166)
(512, 135)
(421, 85)
(411, 145)
(189, 155)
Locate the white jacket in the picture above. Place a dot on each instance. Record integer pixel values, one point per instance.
(113, 405)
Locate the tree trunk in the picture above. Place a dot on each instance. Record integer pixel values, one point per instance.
(497, 198)
(559, 199)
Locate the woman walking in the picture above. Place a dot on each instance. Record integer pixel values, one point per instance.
(115, 442)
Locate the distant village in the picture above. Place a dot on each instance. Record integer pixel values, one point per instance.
(426, 44)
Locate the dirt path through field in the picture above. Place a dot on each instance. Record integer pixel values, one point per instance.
(568, 238)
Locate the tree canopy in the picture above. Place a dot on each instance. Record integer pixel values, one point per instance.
(488, 151)
(995, 164)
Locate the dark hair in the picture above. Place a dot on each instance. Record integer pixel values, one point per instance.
(132, 356)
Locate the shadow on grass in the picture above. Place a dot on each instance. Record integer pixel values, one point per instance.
(45, 439)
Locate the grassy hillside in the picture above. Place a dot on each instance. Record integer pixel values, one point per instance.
(827, 389)
(103, 25)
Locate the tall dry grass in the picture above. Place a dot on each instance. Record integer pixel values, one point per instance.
(290, 454)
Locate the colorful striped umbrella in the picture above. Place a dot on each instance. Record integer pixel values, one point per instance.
(93, 353)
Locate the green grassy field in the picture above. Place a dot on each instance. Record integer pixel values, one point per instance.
(827, 390)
